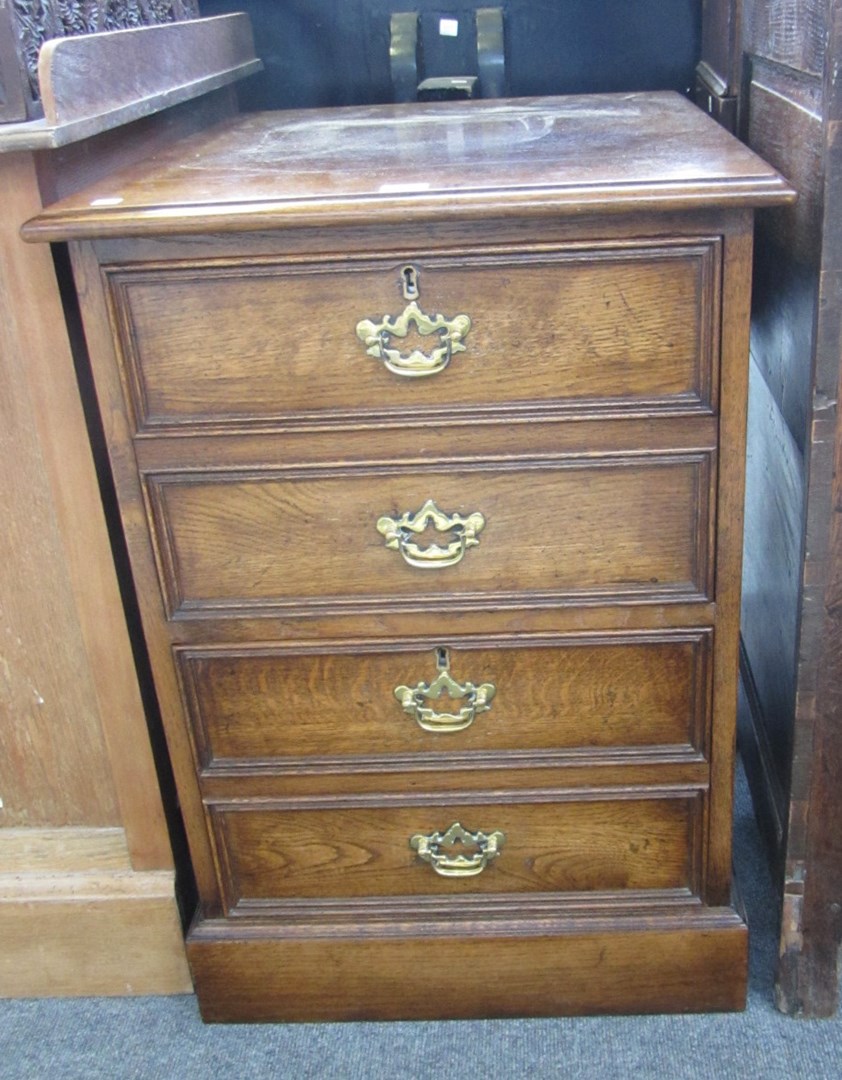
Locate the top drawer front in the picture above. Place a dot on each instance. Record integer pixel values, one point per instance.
(275, 343)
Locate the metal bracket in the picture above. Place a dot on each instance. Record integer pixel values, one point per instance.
(403, 55)
(405, 60)
(491, 56)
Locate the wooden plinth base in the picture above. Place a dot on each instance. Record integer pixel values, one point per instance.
(88, 934)
(692, 960)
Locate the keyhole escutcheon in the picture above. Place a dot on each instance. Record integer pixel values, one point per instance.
(409, 283)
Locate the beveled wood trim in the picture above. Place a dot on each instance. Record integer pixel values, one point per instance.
(659, 913)
(368, 914)
(499, 437)
(675, 768)
(736, 284)
(118, 437)
(144, 77)
(349, 626)
(572, 171)
(335, 800)
(211, 52)
(496, 235)
(598, 199)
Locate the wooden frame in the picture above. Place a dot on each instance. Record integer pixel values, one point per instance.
(780, 58)
(87, 891)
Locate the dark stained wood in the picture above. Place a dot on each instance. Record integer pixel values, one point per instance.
(791, 32)
(276, 704)
(353, 851)
(771, 585)
(16, 100)
(811, 932)
(253, 538)
(277, 343)
(791, 730)
(119, 75)
(426, 162)
(640, 531)
(785, 125)
(720, 45)
(689, 961)
(77, 164)
(719, 71)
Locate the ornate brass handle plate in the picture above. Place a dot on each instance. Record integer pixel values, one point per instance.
(438, 850)
(377, 338)
(415, 702)
(399, 533)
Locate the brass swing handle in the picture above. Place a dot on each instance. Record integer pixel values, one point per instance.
(377, 338)
(437, 850)
(415, 702)
(399, 533)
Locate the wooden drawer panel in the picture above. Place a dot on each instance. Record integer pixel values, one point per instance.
(611, 528)
(273, 342)
(275, 704)
(629, 843)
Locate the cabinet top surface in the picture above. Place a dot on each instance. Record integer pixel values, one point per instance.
(435, 161)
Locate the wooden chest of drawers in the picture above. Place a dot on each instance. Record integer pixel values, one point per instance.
(427, 426)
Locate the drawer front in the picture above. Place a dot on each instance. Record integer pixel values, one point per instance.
(276, 705)
(450, 537)
(272, 343)
(630, 843)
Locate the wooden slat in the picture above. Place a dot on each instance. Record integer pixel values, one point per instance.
(808, 977)
(788, 31)
(71, 850)
(785, 126)
(97, 82)
(72, 593)
(53, 767)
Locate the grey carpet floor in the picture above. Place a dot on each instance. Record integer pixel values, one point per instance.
(163, 1038)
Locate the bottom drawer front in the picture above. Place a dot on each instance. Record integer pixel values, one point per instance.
(642, 843)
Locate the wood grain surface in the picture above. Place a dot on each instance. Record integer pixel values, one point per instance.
(614, 529)
(265, 704)
(604, 154)
(248, 345)
(567, 846)
(610, 478)
(695, 960)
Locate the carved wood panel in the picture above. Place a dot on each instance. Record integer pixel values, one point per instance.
(26, 24)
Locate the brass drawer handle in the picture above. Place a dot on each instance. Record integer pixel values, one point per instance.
(400, 531)
(437, 850)
(415, 701)
(377, 338)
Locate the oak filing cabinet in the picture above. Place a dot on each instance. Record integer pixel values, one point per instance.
(427, 425)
